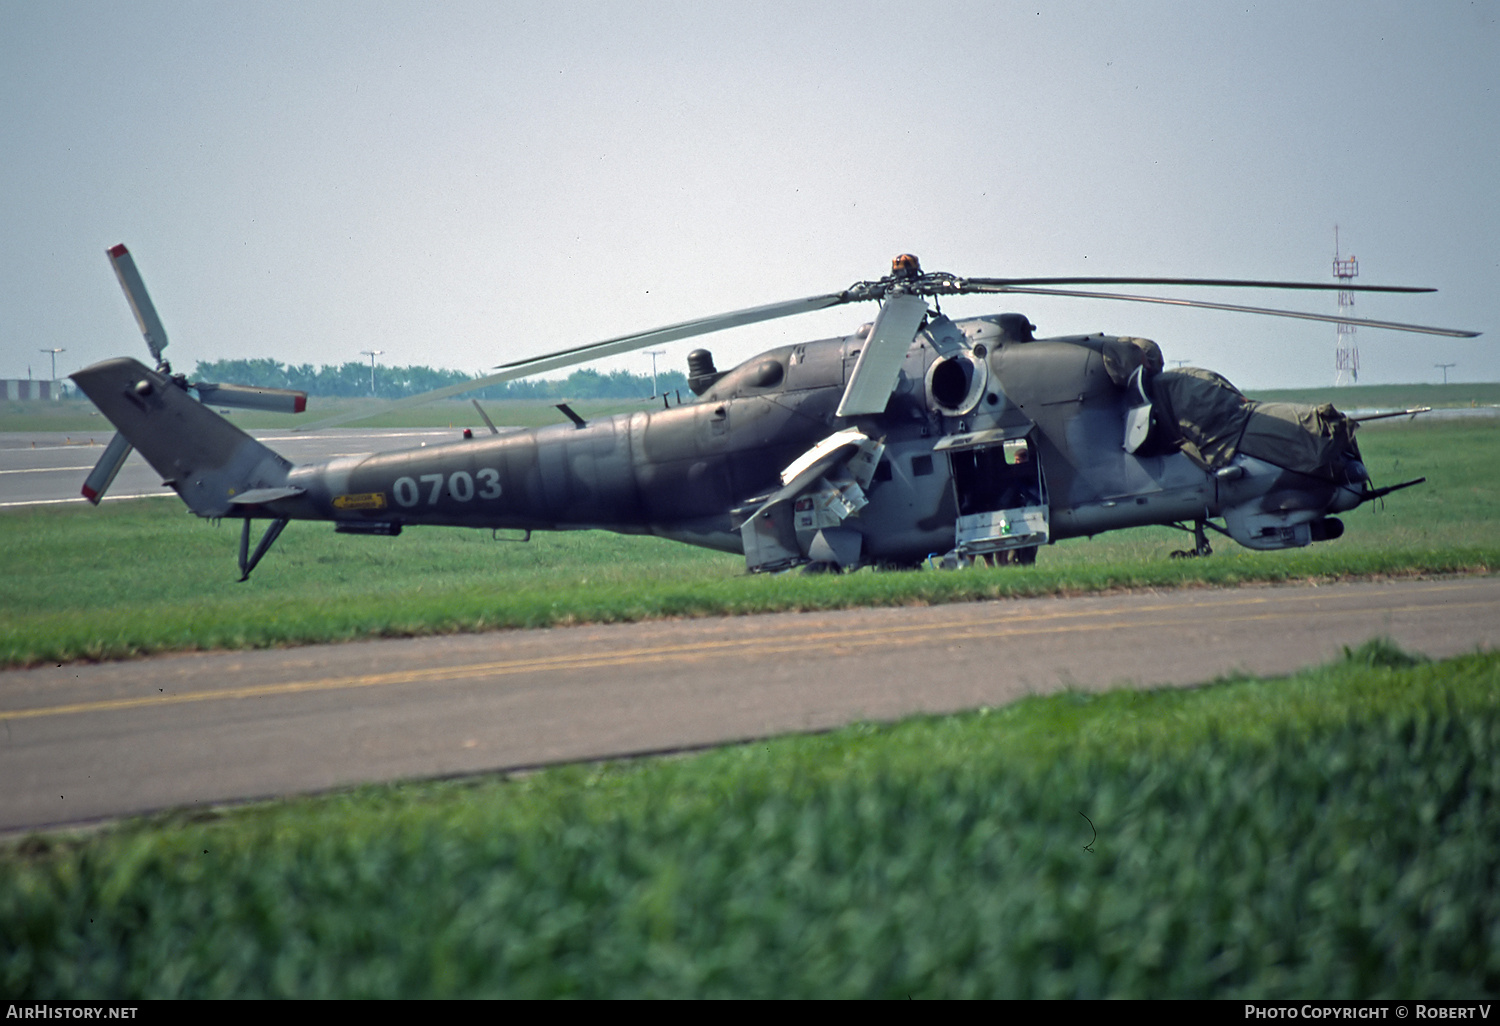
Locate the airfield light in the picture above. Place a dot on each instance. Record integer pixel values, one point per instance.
(54, 353)
(372, 353)
(654, 353)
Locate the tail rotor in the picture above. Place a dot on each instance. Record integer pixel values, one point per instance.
(247, 397)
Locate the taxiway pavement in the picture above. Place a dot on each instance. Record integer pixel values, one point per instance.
(81, 742)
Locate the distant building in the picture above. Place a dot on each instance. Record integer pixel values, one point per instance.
(21, 388)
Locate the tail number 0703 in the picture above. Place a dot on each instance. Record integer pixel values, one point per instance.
(460, 487)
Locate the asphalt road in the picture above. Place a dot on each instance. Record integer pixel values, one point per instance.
(45, 467)
(83, 742)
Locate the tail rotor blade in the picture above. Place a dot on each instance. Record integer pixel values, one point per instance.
(249, 397)
(140, 302)
(103, 475)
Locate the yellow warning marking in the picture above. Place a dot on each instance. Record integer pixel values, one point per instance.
(364, 500)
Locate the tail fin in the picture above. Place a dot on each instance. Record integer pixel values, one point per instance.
(208, 461)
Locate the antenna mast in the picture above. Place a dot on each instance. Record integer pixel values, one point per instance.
(1346, 348)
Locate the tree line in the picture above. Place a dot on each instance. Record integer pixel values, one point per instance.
(352, 379)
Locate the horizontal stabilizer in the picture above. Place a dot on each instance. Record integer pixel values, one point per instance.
(258, 496)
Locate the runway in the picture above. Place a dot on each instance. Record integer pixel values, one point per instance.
(84, 742)
(41, 468)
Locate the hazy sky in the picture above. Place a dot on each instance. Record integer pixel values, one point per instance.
(463, 184)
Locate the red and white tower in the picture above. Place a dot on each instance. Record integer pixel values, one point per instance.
(1346, 348)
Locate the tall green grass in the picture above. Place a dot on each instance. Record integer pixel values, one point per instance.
(1329, 835)
(138, 577)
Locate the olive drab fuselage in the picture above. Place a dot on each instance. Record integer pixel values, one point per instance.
(694, 472)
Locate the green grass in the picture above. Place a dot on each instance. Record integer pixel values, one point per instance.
(1328, 835)
(132, 578)
(1364, 397)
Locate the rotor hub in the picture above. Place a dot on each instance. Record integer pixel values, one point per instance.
(906, 267)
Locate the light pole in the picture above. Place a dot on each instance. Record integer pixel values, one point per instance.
(54, 353)
(372, 353)
(1445, 367)
(654, 353)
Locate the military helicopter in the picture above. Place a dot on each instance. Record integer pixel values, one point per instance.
(914, 439)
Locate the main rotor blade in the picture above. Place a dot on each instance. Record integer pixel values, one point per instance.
(676, 332)
(596, 350)
(140, 302)
(880, 359)
(1215, 282)
(1203, 304)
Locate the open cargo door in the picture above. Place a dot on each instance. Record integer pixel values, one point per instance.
(998, 484)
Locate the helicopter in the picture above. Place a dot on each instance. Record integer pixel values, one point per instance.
(915, 439)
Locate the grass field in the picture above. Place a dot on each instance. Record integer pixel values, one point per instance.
(1329, 835)
(1326, 835)
(1391, 397)
(131, 578)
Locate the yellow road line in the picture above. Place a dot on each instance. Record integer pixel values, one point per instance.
(895, 635)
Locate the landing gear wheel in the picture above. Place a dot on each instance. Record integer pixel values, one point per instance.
(954, 560)
(1013, 557)
(1201, 548)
